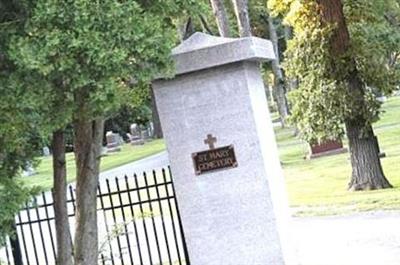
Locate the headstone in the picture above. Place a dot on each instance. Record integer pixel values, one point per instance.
(328, 147)
(382, 99)
(46, 151)
(223, 155)
(145, 132)
(113, 144)
(29, 171)
(135, 135)
(151, 129)
(120, 139)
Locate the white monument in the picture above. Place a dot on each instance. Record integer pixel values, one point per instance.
(113, 142)
(223, 154)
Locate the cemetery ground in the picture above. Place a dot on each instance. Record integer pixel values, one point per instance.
(128, 154)
(319, 186)
(316, 187)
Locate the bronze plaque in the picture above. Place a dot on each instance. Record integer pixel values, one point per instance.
(214, 159)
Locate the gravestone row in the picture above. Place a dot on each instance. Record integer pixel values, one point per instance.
(137, 136)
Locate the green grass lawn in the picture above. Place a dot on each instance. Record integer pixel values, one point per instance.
(129, 153)
(315, 187)
(319, 186)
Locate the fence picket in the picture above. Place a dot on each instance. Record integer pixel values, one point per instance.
(49, 225)
(100, 196)
(23, 238)
(152, 216)
(185, 251)
(7, 254)
(173, 220)
(124, 220)
(155, 244)
(162, 217)
(133, 219)
(41, 231)
(115, 220)
(143, 218)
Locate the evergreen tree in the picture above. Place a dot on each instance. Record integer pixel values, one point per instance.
(83, 55)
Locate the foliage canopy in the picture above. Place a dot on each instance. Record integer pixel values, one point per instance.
(54, 53)
(321, 103)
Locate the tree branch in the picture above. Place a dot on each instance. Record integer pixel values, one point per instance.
(205, 25)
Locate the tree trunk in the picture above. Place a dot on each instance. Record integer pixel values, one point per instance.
(292, 83)
(204, 25)
(242, 16)
(63, 232)
(221, 17)
(189, 29)
(281, 101)
(270, 94)
(367, 170)
(367, 173)
(280, 91)
(15, 246)
(88, 144)
(158, 134)
(186, 29)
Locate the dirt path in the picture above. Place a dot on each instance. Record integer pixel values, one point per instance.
(361, 239)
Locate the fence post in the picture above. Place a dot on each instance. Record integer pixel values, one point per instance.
(15, 248)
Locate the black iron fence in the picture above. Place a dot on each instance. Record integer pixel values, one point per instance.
(138, 222)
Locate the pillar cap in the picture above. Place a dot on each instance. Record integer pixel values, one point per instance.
(203, 51)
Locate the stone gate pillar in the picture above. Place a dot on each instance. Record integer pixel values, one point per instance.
(223, 153)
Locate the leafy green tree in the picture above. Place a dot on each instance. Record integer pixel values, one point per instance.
(20, 139)
(339, 55)
(86, 53)
(29, 111)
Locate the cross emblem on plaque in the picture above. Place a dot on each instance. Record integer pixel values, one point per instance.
(211, 140)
